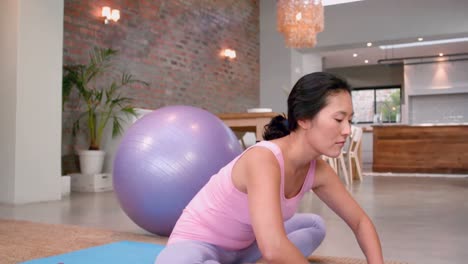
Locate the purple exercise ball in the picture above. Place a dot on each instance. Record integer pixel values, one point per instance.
(164, 159)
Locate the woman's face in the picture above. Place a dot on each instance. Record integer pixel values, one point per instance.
(328, 130)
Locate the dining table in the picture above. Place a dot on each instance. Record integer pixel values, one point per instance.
(248, 122)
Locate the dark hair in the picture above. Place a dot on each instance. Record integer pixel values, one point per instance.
(307, 97)
(278, 127)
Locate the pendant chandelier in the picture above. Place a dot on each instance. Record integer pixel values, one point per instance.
(300, 21)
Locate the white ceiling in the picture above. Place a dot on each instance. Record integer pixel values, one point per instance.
(344, 57)
(349, 26)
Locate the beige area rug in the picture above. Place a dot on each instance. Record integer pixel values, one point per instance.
(24, 240)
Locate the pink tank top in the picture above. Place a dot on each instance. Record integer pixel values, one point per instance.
(219, 213)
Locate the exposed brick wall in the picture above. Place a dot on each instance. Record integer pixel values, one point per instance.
(175, 46)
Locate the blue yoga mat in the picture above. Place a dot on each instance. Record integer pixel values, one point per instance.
(123, 252)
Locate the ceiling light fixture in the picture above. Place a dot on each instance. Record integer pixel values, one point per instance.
(300, 21)
(366, 61)
(420, 39)
(355, 55)
(369, 44)
(441, 54)
(423, 43)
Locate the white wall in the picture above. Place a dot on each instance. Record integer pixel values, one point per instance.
(34, 164)
(439, 109)
(436, 78)
(371, 76)
(436, 92)
(302, 64)
(311, 63)
(8, 64)
(280, 67)
(275, 61)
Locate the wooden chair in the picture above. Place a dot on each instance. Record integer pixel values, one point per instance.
(351, 154)
(331, 162)
(336, 164)
(240, 137)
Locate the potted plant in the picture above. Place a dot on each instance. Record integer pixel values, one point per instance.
(101, 102)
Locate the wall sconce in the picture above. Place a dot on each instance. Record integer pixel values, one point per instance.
(109, 14)
(228, 53)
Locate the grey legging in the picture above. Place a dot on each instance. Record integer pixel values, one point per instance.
(306, 231)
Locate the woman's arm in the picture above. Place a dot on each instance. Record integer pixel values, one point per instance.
(262, 180)
(331, 191)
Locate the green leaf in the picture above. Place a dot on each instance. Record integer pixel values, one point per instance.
(100, 97)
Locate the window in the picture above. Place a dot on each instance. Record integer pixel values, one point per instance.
(377, 104)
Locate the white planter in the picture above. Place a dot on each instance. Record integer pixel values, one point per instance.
(91, 161)
(91, 182)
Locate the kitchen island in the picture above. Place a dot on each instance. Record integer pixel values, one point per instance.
(423, 148)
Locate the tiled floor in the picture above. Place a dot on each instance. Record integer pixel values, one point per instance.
(419, 219)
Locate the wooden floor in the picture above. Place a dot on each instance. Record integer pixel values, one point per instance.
(420, 220)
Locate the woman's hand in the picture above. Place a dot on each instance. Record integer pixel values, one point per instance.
(331, 191)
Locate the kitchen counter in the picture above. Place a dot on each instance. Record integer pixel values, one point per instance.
(421, 148)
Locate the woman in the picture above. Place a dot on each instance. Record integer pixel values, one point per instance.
(246, 212)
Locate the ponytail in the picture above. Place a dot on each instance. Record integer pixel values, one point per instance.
(277, 128)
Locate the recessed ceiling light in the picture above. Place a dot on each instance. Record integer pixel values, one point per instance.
(369, 44)
(355, 55)
(441, 54)
(366, 61)
(423, 43)
(420, 39)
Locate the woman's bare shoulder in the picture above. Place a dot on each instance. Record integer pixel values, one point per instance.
(258, 154)
(323, 172)
(255, 162)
